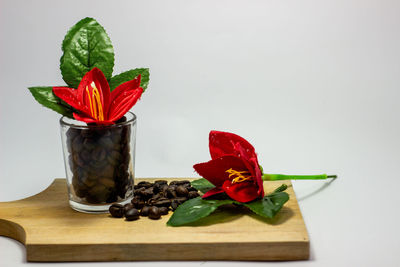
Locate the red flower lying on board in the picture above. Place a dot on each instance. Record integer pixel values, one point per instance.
(233, 168)
(95, 102)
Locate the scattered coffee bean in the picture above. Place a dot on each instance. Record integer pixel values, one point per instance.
(144, 184)
(132, 214)
(180, 200)
(145, 211)
(193, 194)
(154, 213)
(163, 210)
(128, 206)
(182, 191)
(174, 204)
(155, 199)
(137, 203)
(191, 189)
(116, 210)
(163, 203)
(171, 193)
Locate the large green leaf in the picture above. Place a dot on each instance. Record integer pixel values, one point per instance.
(195, 209)
(270, 205)
(45, 96)
(130, 75)
(202, 185)
(85, 46)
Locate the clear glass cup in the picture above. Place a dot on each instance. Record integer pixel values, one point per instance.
(99, 163)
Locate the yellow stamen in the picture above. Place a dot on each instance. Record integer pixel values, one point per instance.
(90, 101)
(96, 108)
(240, 176)
(96, 97)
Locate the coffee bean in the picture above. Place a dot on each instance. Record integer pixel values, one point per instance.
(128, 206)
(88, 181)
(89, 144)
(160, 182)
(174, 205)
(154, 213)
(72, 133)
(164, 189)
(132, 214)
(145, 184)
(138, 192)
(193, 194)
(87, 132)
(163, 210)
(171, 193)
(181, 191)
(77, 144)
(158, 187)
(180, 200)
(191, 189)
(106, 143)
(137, 203)
(98, 154)
(78, 160)
(145, 211)
(112, 198)
(99, 193)
(183, 182)
(85, 155)
(162, 203)
(116, 210)
(107, 182)
(108, 171)
(147, 193)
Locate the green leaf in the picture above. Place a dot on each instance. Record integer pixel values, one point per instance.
(130, 75)
(45, 96)
(282, 188)
(195, 209)
(202, 185)
(85, 46)
(270, 205)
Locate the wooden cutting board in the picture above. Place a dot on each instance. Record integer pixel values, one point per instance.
(52, 231)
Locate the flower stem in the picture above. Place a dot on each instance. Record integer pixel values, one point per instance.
(275, 177)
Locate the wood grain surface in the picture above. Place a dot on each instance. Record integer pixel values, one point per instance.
(52, 231)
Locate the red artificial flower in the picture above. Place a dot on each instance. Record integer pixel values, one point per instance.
(95, 102)
(233, 168)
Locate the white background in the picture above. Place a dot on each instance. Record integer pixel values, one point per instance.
(313, 85)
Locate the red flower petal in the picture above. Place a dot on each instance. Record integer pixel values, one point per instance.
(215, 169)
(223, 143)
(254, 168)
(212, 192)
(123, 98)
(242, 192)
(97, 77)
(70, 96)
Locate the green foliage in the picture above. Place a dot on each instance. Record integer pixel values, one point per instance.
(197, 208)
(202, 185)
(86, 46)
(45, 96)
(130, 75)
(270, 205)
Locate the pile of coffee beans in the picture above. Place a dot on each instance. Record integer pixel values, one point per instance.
(99, 159)
(154, 199)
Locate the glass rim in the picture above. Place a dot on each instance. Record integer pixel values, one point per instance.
(128, 121)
